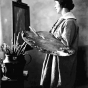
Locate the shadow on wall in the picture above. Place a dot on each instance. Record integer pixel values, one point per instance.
(82, 67)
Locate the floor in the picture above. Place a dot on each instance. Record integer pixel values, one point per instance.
(83, 84)
(80, 86)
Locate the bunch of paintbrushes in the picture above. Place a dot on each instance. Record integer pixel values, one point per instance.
(15, 49)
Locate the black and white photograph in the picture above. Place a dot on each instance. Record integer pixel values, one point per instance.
(43, 43)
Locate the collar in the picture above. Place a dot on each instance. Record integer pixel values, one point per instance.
(68, 15)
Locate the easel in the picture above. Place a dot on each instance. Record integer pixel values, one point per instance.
(13, 77)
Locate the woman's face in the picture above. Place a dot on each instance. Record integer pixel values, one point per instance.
(57, 7)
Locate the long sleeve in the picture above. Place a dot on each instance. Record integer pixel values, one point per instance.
(68, 32)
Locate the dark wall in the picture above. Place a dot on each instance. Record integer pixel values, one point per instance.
(82, 66)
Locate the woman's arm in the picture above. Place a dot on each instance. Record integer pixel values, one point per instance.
(68, 32)
(67, 35)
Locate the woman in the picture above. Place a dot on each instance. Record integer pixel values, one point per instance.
(59, 69)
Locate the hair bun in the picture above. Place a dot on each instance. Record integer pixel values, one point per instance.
(69, 5)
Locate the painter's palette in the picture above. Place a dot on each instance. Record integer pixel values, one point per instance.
(43, 40)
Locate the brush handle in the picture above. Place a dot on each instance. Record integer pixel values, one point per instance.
(33, 30)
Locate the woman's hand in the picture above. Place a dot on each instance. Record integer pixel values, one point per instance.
(63, 53)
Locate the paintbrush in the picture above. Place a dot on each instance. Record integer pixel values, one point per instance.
(33, 30)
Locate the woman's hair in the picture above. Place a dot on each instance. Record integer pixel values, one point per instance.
(66, 4)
